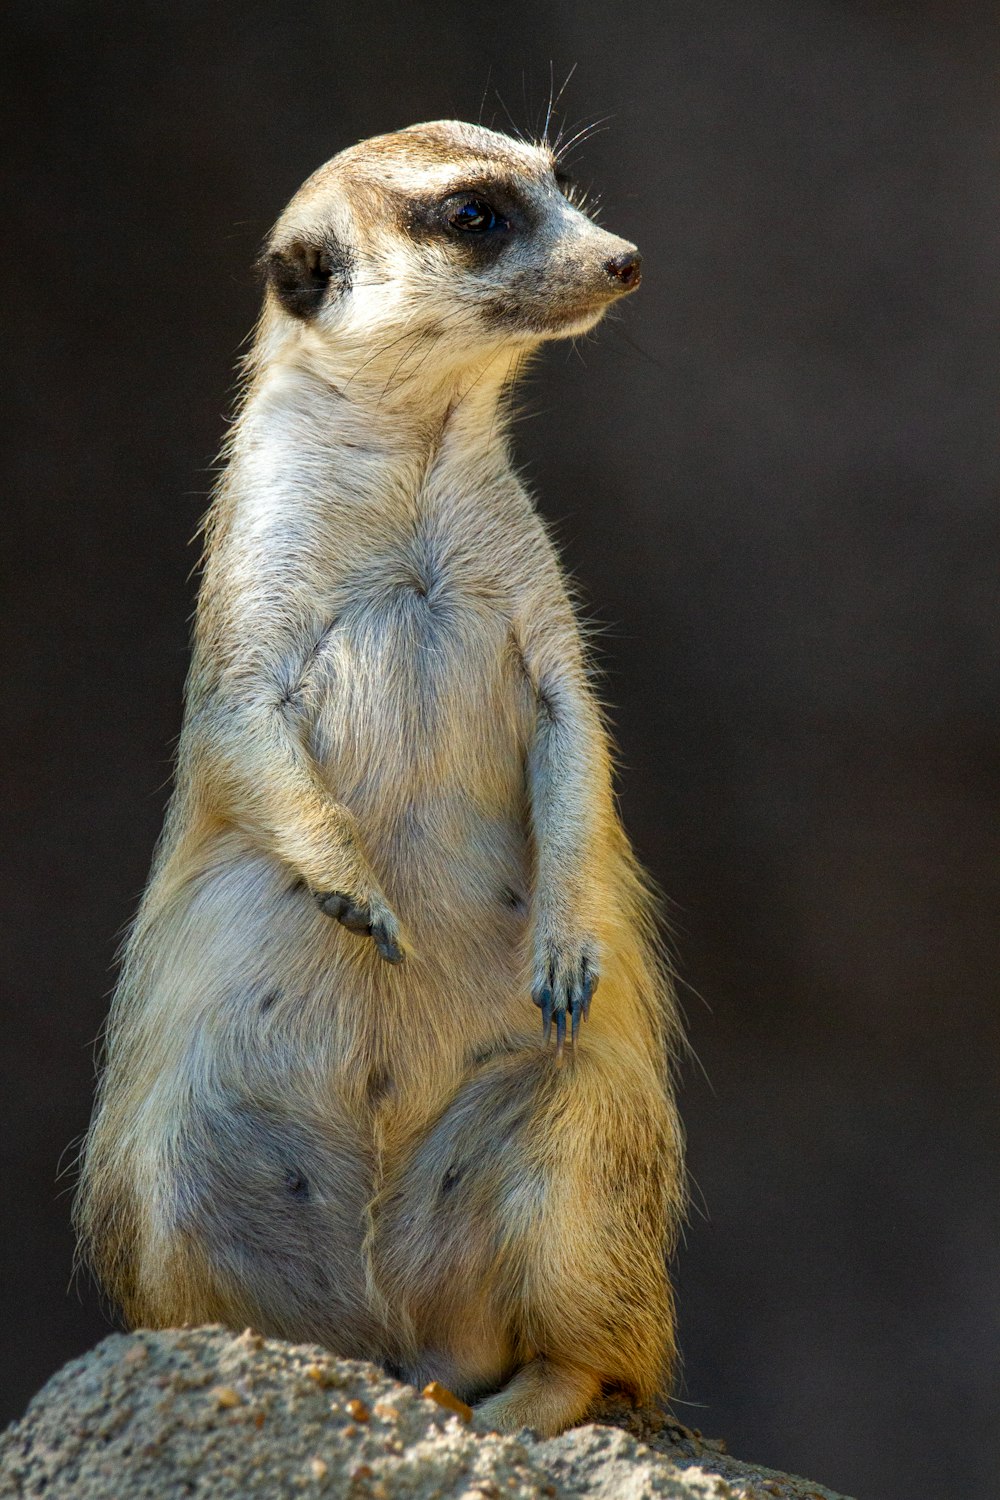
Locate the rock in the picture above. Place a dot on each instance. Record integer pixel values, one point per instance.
(202, 1412)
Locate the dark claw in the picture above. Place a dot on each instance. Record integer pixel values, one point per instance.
(333, 903)
(390, 951)
(565, 998)
(543, 999)
(588, 985)
(560, 1034)
(343, 909)
(357, 918)
(588, 995)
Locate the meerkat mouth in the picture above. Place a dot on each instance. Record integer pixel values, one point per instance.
(567, 322)
(588, 307)
(536, 318)
(579, 322)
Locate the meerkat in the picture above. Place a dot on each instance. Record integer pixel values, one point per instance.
(388, 1064)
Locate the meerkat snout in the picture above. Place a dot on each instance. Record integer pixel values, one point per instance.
(626, 268)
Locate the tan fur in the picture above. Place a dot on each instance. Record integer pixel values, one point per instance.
(389, 698)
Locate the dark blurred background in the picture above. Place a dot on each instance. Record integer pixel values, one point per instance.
(775, 480)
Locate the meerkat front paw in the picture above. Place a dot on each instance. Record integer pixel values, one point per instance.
(565, 980)
(370, 918)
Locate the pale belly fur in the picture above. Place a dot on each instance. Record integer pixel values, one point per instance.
(421, 722)
(422, 729)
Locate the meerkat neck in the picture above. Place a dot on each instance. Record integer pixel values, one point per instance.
(302, 441)
(467, 409)
(406, 394)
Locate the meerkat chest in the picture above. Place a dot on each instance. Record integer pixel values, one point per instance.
(419, 663)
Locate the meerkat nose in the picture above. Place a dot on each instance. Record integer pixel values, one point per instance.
(626, 268)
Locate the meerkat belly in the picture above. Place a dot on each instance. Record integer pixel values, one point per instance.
(421, 717)
(424, 716)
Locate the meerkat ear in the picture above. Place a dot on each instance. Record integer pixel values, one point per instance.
(301, 272)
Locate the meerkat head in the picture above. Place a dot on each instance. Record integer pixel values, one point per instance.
(438, 247)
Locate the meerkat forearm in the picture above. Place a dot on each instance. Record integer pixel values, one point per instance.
(567, 767)
(569, 777)
(273, 789)
(567, 770)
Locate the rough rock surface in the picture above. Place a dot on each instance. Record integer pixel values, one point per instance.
(153, 1416)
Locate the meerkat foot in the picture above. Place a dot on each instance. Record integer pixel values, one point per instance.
(565, 989)
(544, 1395)
(365, 918)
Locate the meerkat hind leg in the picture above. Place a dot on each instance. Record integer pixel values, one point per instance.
(545, 1394)
(267, 1208)
(526, 1236)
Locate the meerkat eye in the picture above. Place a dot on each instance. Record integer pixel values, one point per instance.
(475, 216)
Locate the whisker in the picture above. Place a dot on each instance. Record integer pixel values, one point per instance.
(637, 347)
(384, 349)
(507, 378)
(395, 370)
(554, 102)
(433, 340)
(472, 385)
(516, 130)
(548, 107)
(563, 147)
(486, 89)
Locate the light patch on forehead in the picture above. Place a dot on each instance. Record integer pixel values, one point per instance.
(457, 138)
(438, 153)
(441, 176)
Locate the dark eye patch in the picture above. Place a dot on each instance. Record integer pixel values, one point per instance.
(507, 213)
(474, 215)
